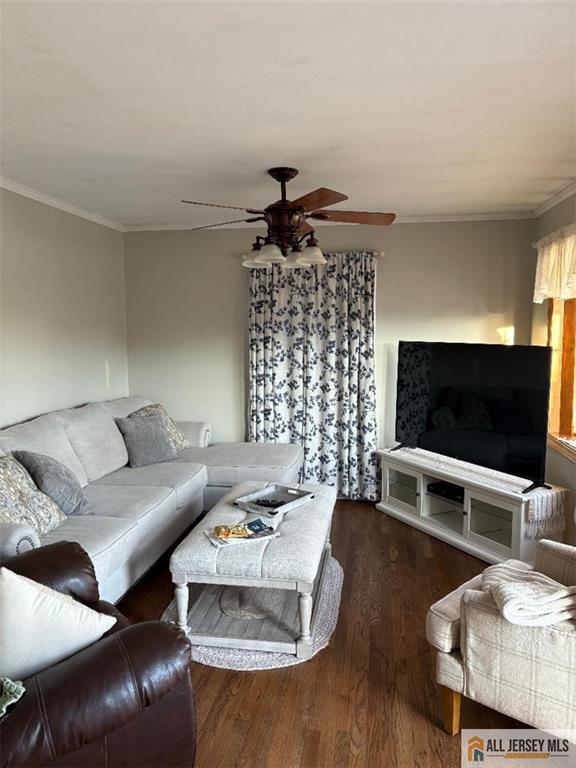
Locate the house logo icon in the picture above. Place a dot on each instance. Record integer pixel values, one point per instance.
(475, 750)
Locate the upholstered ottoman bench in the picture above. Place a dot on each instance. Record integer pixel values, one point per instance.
(293, 561)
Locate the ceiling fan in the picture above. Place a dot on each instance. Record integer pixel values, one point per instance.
(288, 227)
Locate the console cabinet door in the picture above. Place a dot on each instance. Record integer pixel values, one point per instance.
(403, 489)
(493, 523)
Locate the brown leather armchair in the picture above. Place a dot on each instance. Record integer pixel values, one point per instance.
(126, 701)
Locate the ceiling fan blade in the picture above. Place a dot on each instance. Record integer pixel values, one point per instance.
(305, 229)
(217, 205)
(318, 199)
(354, 217)
(222, 223)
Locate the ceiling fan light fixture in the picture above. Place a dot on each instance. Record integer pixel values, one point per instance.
(312, 254)
(250, 261)
(295, 260)
(270, 254)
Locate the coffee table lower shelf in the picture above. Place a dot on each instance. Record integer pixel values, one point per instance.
(279, 632)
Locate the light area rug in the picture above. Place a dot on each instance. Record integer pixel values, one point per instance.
(251, 603)
(328, 605)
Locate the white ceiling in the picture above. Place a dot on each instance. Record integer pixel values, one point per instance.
(438, 109)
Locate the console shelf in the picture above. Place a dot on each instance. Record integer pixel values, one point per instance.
(481, 511)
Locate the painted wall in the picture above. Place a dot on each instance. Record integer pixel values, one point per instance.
(559, 216)
(62, 310)
(187, 303)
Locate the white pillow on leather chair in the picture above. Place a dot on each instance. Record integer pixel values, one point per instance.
(40, 627)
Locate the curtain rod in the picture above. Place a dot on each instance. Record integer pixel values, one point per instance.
(379, 254)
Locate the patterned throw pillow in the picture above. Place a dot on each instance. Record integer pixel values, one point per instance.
(177, 438)
(22, 502)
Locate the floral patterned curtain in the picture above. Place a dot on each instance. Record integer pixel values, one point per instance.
(312, 367)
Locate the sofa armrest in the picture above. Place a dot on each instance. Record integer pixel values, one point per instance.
(105, 686)
(15, 539)
(198, 433)
(63, 566)
(525, 672)
(556, 560)
(443, 618)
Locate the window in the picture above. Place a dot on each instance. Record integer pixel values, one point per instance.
(556, 283)
(562, 339)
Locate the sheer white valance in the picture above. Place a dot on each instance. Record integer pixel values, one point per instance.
(556, 268)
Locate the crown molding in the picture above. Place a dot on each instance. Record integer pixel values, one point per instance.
(559, 197)
(183, 227)
(513, 215)
(399, 220)
(166, 228)
(54, 202)
(21, 189)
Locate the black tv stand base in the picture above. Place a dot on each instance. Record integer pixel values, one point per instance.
(400, 445)
(533, 487)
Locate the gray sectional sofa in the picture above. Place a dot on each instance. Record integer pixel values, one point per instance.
(138, 513)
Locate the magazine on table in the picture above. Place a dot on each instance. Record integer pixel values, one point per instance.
(273, 500)
(251, 530)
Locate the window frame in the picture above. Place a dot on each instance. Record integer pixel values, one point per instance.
(562, 339)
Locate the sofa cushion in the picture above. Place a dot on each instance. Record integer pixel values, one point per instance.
(132, 502)
(443, 619)
(232, 463)
(55, 480)
(187, 480)
(147, 440)
(104, 538)
(96, 439)
(124, 406)
(22, 502)
(45, 435)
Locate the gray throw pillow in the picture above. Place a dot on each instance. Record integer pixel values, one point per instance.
(175, 435)
(147, 440)
(56, 481)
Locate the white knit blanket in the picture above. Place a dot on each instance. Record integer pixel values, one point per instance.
(527, 597)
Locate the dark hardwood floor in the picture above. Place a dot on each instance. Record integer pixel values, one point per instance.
(367, 701)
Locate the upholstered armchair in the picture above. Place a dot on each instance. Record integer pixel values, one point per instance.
(528, 673)
(126, 700)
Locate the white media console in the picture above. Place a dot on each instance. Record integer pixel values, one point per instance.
(488, 515)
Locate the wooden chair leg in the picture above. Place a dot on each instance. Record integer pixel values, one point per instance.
(451, 704)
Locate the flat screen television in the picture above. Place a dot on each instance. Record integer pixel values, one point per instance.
(483, 403)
